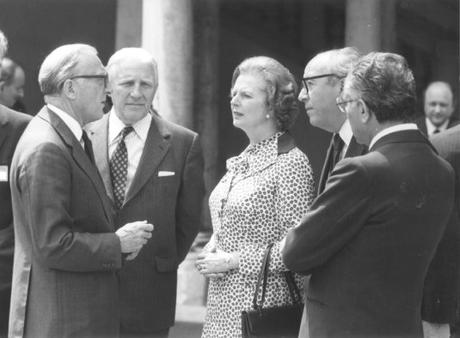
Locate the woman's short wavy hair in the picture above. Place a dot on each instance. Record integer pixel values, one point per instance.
(281, 87)
(387, 86)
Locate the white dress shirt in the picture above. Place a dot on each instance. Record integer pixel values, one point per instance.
(430, 127)
(70, 122)
(134, 141)
(392, 129)
(345, 134)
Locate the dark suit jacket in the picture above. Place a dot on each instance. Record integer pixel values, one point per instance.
(66, 252)
(369, 237)
(442, 282)
(354, 149)
(421, 124)
(12, 125)
(171, 203)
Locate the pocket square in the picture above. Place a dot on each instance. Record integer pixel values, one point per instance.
(166, 173)
(3, 173)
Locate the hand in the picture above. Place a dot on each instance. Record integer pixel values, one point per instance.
(133, 236)
(216, 262)
(132, 255)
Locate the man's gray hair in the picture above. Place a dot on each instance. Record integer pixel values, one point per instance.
(131, 52)
(3, 45)
(58, 66)
(339, 61)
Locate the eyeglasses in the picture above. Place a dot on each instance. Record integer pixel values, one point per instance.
(306, 79)
(88, 76)
(342, 104)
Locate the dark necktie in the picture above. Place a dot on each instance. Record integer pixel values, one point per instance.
(88, 146)
(436, 131)
(119, 168)
(337, 146)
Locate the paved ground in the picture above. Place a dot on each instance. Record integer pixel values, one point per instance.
(186, 330)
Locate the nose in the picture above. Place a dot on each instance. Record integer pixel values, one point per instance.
(135, 92)
(234, 101)
(437, 108)
(303, 95)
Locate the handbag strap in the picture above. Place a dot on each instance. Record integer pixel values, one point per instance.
(262, 278)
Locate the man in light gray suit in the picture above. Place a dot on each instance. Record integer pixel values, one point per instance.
(151, 169)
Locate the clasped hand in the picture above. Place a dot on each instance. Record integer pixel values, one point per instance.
(133, 236)
(215, 263)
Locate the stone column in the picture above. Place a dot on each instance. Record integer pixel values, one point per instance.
(167, 32)
(128, 25)
(362, 28)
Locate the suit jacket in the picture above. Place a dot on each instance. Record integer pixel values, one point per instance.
(442, 283)
(354, 149)
(171, 203)
(66, 254)
(12, 125)
(369, 237)
(421, 124)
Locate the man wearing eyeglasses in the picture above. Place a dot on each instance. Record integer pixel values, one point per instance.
(322, 83)
(67, 251)
(369, 238)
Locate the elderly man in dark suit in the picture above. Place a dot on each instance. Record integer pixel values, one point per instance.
(66, 249)
(322, 83)
(438, 105)
(369, 237)
(12, 125)
(151, 169)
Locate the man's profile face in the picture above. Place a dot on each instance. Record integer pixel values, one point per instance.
(13, 91)
(319, 97)
(132, 86)
(438, 104)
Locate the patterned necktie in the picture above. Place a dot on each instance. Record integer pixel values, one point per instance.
(119, 168)
(88, 146)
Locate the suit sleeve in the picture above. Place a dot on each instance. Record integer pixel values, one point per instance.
(293, 196)
(188, 211)
(334, 218)
(44, 182)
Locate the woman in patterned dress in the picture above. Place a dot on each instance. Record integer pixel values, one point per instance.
(265, 192)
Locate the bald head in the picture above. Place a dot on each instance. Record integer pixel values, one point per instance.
(3, 45)
(438, 103)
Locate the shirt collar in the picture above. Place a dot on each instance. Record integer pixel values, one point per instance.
(345, 132)
(141, 127)
(392, 129)
(70, 121)
(430, 127)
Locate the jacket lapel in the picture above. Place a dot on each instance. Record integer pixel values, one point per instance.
(99, 136)
(326, 169)
(155, 148)
(79, 155)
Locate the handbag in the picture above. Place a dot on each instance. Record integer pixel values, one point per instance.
(278, 321)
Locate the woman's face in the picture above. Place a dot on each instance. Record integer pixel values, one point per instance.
(249, 103)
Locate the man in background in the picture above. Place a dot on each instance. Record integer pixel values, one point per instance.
(67, 251)
(439, 107)
(151, 169)
(12, 81)
(12, 124)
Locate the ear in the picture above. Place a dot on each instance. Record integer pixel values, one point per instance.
(69, 89)
(365, 112)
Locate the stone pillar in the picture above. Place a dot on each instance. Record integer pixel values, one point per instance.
(128, 26)
(363, 28)
(206, 16)
(167, 32)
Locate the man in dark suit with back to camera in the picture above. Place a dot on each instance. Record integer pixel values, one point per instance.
(159, 177)
(438, 105)
(67, 252)
(368, 239)
(12, 124)
(322, 83)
